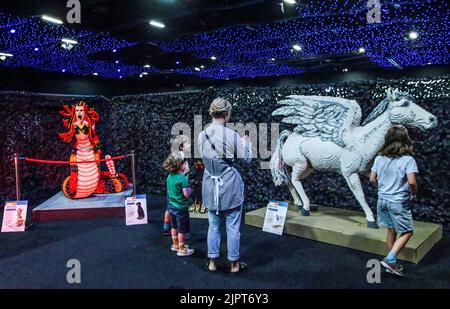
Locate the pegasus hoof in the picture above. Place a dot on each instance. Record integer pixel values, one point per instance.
(372, 225)
(304, 212)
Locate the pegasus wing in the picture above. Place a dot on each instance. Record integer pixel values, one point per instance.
(320, 116)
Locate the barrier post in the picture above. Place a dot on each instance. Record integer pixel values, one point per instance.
(133, 171)
(16, 170)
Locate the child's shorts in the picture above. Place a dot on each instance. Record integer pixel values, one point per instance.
(394, 215)
(179, 219)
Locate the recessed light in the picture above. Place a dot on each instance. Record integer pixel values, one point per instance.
(297, 47)
(197, 69)
(345, 70)
(120, 76)
(36, 49)
(202, 66)
(413, 35)
(178, 62)
(52, 19)
(118, 70)
(114, 50)
(69, 41)
(96, 74)
(117, 61)
(213, 58)
(272, 59)
(147, 66)
(157, 24)
(63, 70)
(361, 50)
(12, 31)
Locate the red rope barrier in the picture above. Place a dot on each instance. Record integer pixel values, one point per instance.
(68, 162)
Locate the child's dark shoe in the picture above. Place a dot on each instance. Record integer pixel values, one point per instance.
(165, 232)
(394, 268)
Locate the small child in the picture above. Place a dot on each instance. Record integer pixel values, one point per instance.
(178, 193)
(178, 143)
(394, 173)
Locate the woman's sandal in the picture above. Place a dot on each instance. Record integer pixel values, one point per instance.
(242, 268)
(208, 269)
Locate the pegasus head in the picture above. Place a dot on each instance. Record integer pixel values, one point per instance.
(403, 111)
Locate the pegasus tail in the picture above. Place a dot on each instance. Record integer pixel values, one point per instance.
(277, 166)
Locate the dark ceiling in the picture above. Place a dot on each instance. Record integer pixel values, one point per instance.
(186, 19)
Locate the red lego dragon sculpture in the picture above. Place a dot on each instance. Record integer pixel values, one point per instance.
(86, 178)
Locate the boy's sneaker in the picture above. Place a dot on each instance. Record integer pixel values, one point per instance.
(400, 267)
(394, 268)
(165, 232)
(175, 248)
(186, 252)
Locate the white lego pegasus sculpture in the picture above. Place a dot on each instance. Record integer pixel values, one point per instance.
(329, 137)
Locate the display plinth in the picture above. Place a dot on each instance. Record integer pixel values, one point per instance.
(348, 228)
(59, 207)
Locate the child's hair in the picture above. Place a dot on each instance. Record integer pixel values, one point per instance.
(397, 143)
(174, 163)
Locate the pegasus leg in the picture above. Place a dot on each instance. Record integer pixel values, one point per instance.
(354, 183)
(297, 200)
(297, 170)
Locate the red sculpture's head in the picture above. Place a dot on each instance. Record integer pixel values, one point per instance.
(77, 113)
(80, 110)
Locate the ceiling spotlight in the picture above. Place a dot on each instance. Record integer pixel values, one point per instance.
(68, 44)
(197, 69)
(4, 56)
(361, 50)
(114, 50)
(117, 61)
(36, 49)
(63, 70)
(202, 66)
(213, 58)
(290, 1)
(144, 73)
(52, 19)
(297, 47)
(272, 59)
(118, 70)
(120, 76)
(147, 66)
(157, 24)
(178, 62)
(140, 76)
(413, 35)
(345, 70)
(12, 31)
(95, 74)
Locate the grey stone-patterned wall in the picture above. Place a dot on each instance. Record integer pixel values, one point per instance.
(144, 122)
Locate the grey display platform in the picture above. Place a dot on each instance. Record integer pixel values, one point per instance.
(59, 207)
(347, 228)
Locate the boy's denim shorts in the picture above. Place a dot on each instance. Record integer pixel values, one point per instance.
(396, 215)
(179, 219)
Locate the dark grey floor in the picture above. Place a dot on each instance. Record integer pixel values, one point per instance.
(113, 255)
